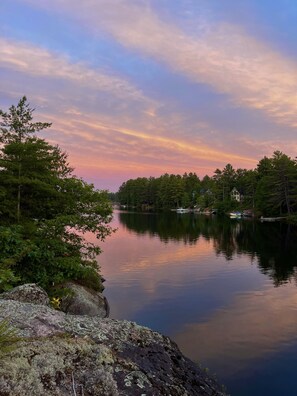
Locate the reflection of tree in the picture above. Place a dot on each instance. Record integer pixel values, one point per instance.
(168, 226)
(277, 250)
(273, 244)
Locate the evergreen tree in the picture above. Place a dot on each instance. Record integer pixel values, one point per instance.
(283, 177)
(45, 210)
(277, 187)
(16, 129)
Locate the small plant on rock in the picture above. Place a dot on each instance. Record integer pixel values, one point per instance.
(8, 337)
(56, 303)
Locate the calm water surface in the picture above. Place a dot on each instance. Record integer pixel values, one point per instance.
(224, 290)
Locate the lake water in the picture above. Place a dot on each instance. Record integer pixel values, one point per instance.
(223, 289)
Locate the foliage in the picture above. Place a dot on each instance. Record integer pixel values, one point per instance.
(165, 192)
(225, 181)
(269, 189)
(45, 210)
(226, 206)
(292, 219)
(16, 128)
(276, 191)
(283, 176)
(12, 249)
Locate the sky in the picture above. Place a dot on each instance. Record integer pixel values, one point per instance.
(138, 88)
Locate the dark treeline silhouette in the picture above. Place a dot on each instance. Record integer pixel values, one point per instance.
(273, 245)
(270, 189)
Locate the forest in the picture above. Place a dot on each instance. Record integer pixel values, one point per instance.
(269, 190)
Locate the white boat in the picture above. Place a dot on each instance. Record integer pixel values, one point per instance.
(182, 210)
(235, 215)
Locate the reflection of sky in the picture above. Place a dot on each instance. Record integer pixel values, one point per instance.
(172, 277)
(252, 325)
(274, 375)
(144, 87)
(224, 314)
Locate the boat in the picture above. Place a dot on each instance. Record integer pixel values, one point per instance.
(248, 213)
(235, 215)
(182, 210)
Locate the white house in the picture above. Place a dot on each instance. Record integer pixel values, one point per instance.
(235, 195)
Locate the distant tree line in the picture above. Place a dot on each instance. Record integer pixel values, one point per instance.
(269, 189)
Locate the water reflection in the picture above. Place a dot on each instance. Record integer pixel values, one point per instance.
(254, 326)
(197, 279)
(274, 244)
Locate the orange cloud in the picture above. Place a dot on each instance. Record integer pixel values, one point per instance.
(117, 142)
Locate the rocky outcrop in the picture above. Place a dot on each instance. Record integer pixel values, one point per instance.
(80, 300)
(62, 354)
(29, 292)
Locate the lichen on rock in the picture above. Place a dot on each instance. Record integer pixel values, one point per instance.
(29, 292)
(94, 356)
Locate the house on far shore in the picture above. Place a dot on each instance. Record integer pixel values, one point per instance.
(235, 195)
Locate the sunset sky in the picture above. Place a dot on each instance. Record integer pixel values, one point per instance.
(143, 87)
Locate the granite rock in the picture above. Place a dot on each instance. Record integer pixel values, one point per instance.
(62, 354)
(81, 300)
(29, 292)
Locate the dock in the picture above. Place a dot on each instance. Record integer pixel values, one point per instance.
(271, 218)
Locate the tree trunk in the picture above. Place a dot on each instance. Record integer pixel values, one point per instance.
(19, 195)
(287, 199)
